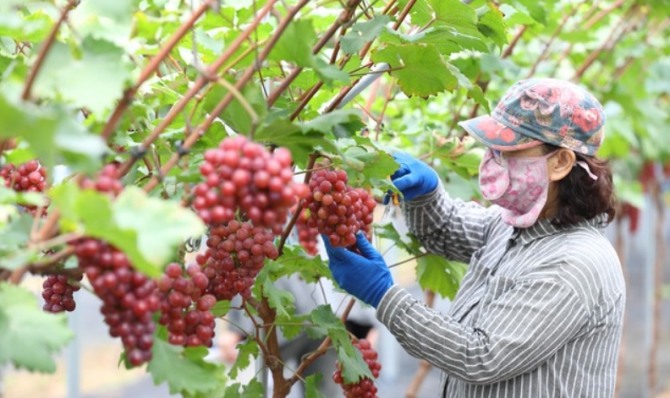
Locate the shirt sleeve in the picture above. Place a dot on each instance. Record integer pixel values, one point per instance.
(450, 227)
(517, 332)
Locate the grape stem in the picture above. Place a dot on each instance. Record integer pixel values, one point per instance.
(43, 264)
(41, 56)
(201, 82)
(151, 68)
(322, 349)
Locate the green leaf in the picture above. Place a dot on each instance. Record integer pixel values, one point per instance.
(281, 301)
(300, 142)
(245, 352)
(362, 155)
(312, 386)
(491, 24)
(146, 229)
(476, 93)
(184, 370)
(440, 275)
(160, 225)
(51, 134)
(221, 308)
(235, 115)
(295, 44)
(294, 261)
(325, 124)
(14, 237)
(253, 389)
(94, 81)
(362, 33)
(326, 323)
(30, 336)
(420, 69)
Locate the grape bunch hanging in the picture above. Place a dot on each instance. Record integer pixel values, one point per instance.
(27, 177)
(338, 210)
(364, 388)
(245, 200)
(243, 176)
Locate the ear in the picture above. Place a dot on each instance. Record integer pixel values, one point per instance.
(561, 164)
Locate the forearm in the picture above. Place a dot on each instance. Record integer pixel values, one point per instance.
(489, 352)
(448, 226)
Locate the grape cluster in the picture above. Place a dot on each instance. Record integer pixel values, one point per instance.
(185, 310)
(307, 235)
(336, 209)
(365, 388)
(58, 293)
(235, 253)
(245, 175)
(28, 177)
(129, 298)
(107, 181)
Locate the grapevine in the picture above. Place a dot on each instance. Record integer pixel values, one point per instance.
(364, 387)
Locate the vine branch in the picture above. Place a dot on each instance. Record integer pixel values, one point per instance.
(41, 56)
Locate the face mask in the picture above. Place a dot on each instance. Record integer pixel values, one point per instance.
(518, 185)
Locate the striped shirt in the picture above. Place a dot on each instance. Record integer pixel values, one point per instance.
(539, 312)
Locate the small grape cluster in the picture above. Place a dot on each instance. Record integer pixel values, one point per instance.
(129, 298)
(245, 175)
(365, 388)
(107, 181)
(307, 235)
(58, 292)
(185, 310)
(235, 254)
(338, 210)
(28, 177)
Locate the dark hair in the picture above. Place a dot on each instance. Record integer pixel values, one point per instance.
(580, 197)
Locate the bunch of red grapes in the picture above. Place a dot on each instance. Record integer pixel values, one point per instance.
(338, 210)
(129, 297)
(307, 235)
(365, 388)
(235, 253)
(58, 292)
(28, 177)
(185, 310)
(244, 175)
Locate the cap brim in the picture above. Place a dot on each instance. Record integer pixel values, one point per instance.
(496, 135)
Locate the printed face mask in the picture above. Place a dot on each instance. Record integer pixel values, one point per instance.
(518, 185)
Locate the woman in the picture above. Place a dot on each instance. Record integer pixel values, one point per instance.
(539, 312)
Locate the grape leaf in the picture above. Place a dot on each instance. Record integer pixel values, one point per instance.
(14, 237)
(491, 24)
(245, 352)
(24, 342)
(221, 308)
(294, 260)
(295, 45)
(326, 323)
(440, 275)
(362, 155)
(51, 134)
(280, 300)
(419, 68)
(184, 370)
(160, 225)
(94, 81)
(253, 389)
(362, 33)
(146, 229)
(312, 386)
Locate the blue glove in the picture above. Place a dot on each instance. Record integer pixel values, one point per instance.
(414, 178)
(364, 275)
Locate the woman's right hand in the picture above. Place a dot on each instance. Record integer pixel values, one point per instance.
(413, 178)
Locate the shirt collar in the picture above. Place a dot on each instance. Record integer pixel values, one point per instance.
(545, 228)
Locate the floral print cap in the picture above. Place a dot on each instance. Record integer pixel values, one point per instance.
(542, 110)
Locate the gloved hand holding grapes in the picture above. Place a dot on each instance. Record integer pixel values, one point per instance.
(365, 275)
